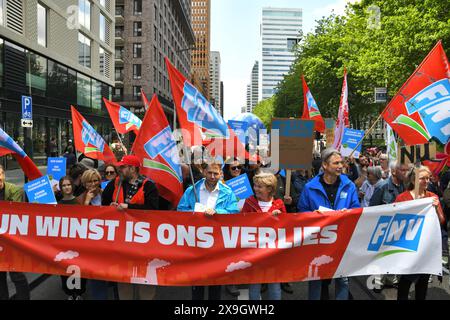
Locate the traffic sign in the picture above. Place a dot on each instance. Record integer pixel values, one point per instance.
(27, 123)
(27, 108)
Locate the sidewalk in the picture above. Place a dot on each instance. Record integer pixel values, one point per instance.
(16, 176)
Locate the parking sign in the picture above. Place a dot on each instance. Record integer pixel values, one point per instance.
(27, 112)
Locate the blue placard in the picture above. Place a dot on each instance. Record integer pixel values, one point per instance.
(240, 128)
(40, 191)
(27, 108)
(350, 140)
(56, 168)
(241, 187)
(294, 128)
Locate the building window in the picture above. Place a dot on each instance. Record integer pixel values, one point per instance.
(137, 71)
(102, 28)
(84, 50)
(84, 13)
(137, 7)
(96, 94)
(137, 28)
(137, 92)
(101, 53)
(83, 91)
(119, 74)
(36, 73)
(42, 25)
(137, 50)
(57, 80)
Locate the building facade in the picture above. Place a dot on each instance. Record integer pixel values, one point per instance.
(280, 30)
(146, 32)
(61, 54)
(253, 88)
(214, 73)
(201, 23)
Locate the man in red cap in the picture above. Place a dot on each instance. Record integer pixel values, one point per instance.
(132, 190)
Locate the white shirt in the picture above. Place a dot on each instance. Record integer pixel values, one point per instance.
(265, 206)
(209, 199)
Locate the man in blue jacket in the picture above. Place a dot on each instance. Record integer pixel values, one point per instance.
(331, 190)
(211, 197)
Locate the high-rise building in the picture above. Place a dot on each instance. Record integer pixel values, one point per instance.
(214, 73)
(221, 98)
(201, 23)
(253, 88)
(255, 85)
(60, 53)
(249, 98)
(280, 30)
(146, 32)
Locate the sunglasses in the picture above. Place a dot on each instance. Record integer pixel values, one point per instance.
(109, 172)
(236, 168)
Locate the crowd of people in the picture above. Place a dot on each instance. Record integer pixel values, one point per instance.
(334, 182)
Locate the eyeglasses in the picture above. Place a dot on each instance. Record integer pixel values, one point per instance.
(109, 172)
(236, 168)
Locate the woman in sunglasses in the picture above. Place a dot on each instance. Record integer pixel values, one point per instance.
(110, 172)
(232, 169)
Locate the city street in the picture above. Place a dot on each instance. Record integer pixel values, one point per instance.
(50, 289)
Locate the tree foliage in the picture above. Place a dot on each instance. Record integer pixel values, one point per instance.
(264, 111)
(376, 53)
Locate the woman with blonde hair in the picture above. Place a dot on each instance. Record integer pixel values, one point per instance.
(265, 187)
(90, 180)
(420, 280)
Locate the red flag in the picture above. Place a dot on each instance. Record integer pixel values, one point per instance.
(9, 146)
(157, 147)
(88, 141)
(200, 121)
(123, 119)
(310, 109)
(421, 109)
(342, 120)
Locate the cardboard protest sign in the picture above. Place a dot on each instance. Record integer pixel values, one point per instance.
(296, 142)
(329, 131)
(419, 153)
(241, 187)
(40, 191)
(56, 168)
(350, 140)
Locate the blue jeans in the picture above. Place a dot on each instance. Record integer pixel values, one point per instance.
(99, 289)
(273, 291)
(315, 287)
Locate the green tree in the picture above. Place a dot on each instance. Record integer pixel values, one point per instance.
(377, 50)
(265, 111)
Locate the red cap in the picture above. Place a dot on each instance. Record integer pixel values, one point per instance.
(130, 160)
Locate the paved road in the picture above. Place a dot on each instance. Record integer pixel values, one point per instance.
(50, 289)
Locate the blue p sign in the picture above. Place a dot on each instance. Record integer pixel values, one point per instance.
(27, 108)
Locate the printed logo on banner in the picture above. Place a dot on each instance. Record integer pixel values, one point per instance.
(164, 145)
(401, 230)
(128, 118)
(433, 106)
(203, 113)
(90, 136)
(312, 105)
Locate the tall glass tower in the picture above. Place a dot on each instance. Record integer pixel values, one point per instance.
(280, 31)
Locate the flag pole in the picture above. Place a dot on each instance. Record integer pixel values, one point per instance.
(188, 162)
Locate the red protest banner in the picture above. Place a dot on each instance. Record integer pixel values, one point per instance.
(168, 248)
(180, 249)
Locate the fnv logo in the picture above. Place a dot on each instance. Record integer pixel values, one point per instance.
(401, 230)
(433, 105)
